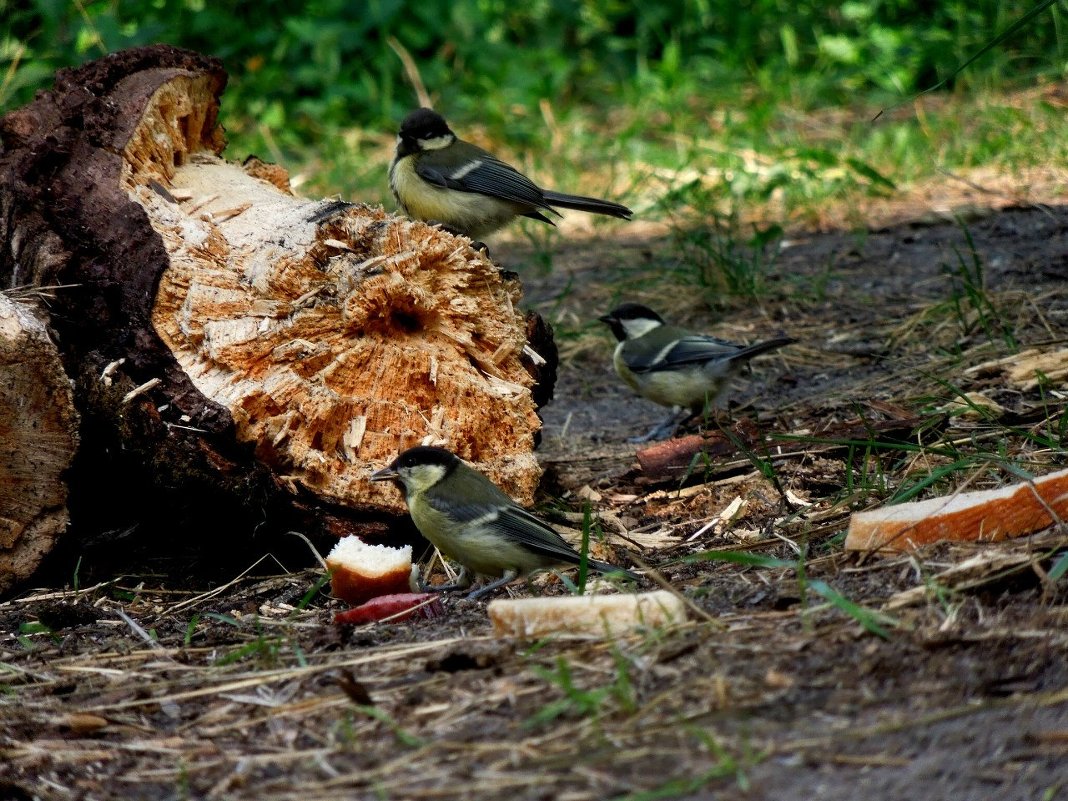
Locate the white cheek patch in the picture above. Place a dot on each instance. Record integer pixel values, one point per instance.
(424, 476)
(436, 143)
(465, 170)
(639, 327)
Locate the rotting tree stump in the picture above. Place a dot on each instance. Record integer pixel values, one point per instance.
(231, 344)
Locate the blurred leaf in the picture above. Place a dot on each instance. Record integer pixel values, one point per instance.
(1060, 567)
(870, 173)
(839, 48)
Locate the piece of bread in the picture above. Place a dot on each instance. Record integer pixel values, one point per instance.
(359, 572)
(585, 615)
(986, 515)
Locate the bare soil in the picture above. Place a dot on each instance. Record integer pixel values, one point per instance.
(159, 686)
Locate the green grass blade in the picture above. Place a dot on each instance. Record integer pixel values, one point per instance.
(871, 621)
(1060, 567)
(741, 558)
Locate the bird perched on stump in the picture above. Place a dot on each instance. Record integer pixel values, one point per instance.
(470, 520)
(437, 177)
(672, 366)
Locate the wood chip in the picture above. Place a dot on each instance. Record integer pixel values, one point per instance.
(971, 572)
(81, 723)
(1022, 370)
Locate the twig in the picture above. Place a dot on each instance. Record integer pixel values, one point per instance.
(411, 71)
(315, 551)
(139, 630)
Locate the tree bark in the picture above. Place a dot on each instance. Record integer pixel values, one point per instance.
(261, 351)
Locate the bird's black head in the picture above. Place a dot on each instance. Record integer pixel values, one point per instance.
(419, 468)
(622, 319)
(423, 129)
(425, 455)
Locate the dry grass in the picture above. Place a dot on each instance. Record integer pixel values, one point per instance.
(447, 711)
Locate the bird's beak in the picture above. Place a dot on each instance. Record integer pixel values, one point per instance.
(607, 318)
(385, 474)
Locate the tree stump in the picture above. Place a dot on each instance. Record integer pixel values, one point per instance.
(232, 343)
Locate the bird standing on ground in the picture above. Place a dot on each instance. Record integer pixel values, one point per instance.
(672, 366)
(470, 520)
(438, 177)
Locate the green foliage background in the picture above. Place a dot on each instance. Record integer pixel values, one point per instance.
(694, 105)
(303, 66)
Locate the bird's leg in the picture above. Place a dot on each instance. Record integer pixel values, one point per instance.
(476, 245)
(509, 575)
(661, 430)
(463, 581)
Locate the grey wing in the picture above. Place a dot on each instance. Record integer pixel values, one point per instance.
(434, 176)
(696, 349)
(685, 351)
(539, 538)
(535, 535)
(514, 522)
(487, 176)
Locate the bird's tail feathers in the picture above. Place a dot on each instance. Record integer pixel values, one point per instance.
(590, 204)
(606, 569)
(761, 347)
(537, 215)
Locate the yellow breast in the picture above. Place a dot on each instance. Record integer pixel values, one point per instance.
(468, 213)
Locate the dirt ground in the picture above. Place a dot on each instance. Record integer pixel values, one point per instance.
(141, 687)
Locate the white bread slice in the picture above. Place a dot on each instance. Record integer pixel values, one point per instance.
(359, 572)
(585, 615)
(986, 515)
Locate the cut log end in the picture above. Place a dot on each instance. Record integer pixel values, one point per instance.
(333, 344)
(178, 121)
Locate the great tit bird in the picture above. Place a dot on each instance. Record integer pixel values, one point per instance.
(671, 366)
(439, 178)
(473, 522)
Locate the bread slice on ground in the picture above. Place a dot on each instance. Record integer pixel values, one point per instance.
(585, 615)
(986, 515)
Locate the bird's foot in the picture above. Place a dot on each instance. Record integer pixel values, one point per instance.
(476, 245)
(443, 588)
(508, 576)
(662, 430)
(463, 581)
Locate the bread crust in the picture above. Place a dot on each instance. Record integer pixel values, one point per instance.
(984, 515)
(359, 572)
